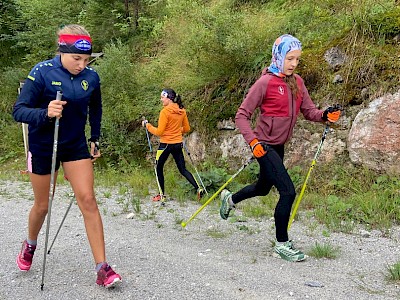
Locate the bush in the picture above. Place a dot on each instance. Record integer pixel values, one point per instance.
(385, 24)
(12, 142)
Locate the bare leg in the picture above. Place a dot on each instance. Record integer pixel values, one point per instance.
(41, 188)
(80, 175)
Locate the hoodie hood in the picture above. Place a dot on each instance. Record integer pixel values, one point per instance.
(173, 108)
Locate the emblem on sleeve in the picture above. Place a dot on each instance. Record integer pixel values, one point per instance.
(84, 85)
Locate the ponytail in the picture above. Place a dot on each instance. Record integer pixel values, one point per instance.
(178, 100)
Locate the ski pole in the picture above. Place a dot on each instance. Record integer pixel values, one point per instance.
(61, 224)
(191, 160)
(96, 149)
(314, 161)
(154, 163)
(183, 224)
(24, 132)
(52, 187)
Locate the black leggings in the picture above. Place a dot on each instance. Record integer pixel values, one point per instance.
(177, 154)
(273, 173)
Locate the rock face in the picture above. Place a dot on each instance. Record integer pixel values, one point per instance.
(196, 147)
(302, 147)
(335, 57)
(374, 139)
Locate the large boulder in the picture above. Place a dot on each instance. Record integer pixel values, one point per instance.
(374, 139)
(301, 149)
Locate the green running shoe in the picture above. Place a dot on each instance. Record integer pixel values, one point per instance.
(225, 208)
(288, 252)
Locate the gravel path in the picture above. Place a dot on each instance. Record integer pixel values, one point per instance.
(209, 259)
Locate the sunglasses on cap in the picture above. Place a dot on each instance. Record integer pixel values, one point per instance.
(164, 94)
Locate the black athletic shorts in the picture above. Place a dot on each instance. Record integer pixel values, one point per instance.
(41, 165)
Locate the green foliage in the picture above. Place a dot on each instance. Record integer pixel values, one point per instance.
(11, 145)
(106, 21)
(214, 178)
(124, 138)
(211, 52)
(260, 207)
(344, 197)
(385, 24)
(41, 21)
(393, 272)
(324, 251)
(296, 175)
(376, 18)
(9, 25)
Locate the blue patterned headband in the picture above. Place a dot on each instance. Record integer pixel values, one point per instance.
(283, 44)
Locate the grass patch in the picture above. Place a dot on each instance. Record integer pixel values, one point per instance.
(339, 196)
(259, 207)
(324, 251)
(393, 272)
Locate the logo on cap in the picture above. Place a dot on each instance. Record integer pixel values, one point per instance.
(83, 45)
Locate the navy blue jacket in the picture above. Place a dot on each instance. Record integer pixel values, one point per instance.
(83, 96)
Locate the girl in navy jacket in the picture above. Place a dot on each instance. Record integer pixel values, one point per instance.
(80, 85)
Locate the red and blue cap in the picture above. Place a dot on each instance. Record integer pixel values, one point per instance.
(72, 43)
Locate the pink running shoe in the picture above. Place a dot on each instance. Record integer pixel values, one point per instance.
(107, 277)
(24, 258)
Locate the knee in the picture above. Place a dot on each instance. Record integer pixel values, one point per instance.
(87, 203)
(289, 195)
(284, 205)
(292, 196)
(261, 190)
(41, 209)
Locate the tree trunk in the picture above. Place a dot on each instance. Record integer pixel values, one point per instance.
(127, 9)
(136, 13)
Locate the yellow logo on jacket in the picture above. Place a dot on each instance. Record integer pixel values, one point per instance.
(84, 85)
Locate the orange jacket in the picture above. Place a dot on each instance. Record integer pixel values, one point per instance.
(172, 123)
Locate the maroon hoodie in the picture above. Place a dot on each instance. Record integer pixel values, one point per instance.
(278, 110)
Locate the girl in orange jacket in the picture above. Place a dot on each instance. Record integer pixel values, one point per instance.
(172, 124)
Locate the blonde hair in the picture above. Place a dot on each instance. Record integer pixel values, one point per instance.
(73, 29)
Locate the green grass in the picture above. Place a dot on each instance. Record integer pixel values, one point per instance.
(393, 272)
(339, 198)
(324, 251)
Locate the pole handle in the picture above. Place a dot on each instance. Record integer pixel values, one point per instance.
(59, 95)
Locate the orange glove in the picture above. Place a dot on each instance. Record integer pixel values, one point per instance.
(332, 113)
(257, 148)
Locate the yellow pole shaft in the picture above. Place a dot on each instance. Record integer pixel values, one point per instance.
(297, 203)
